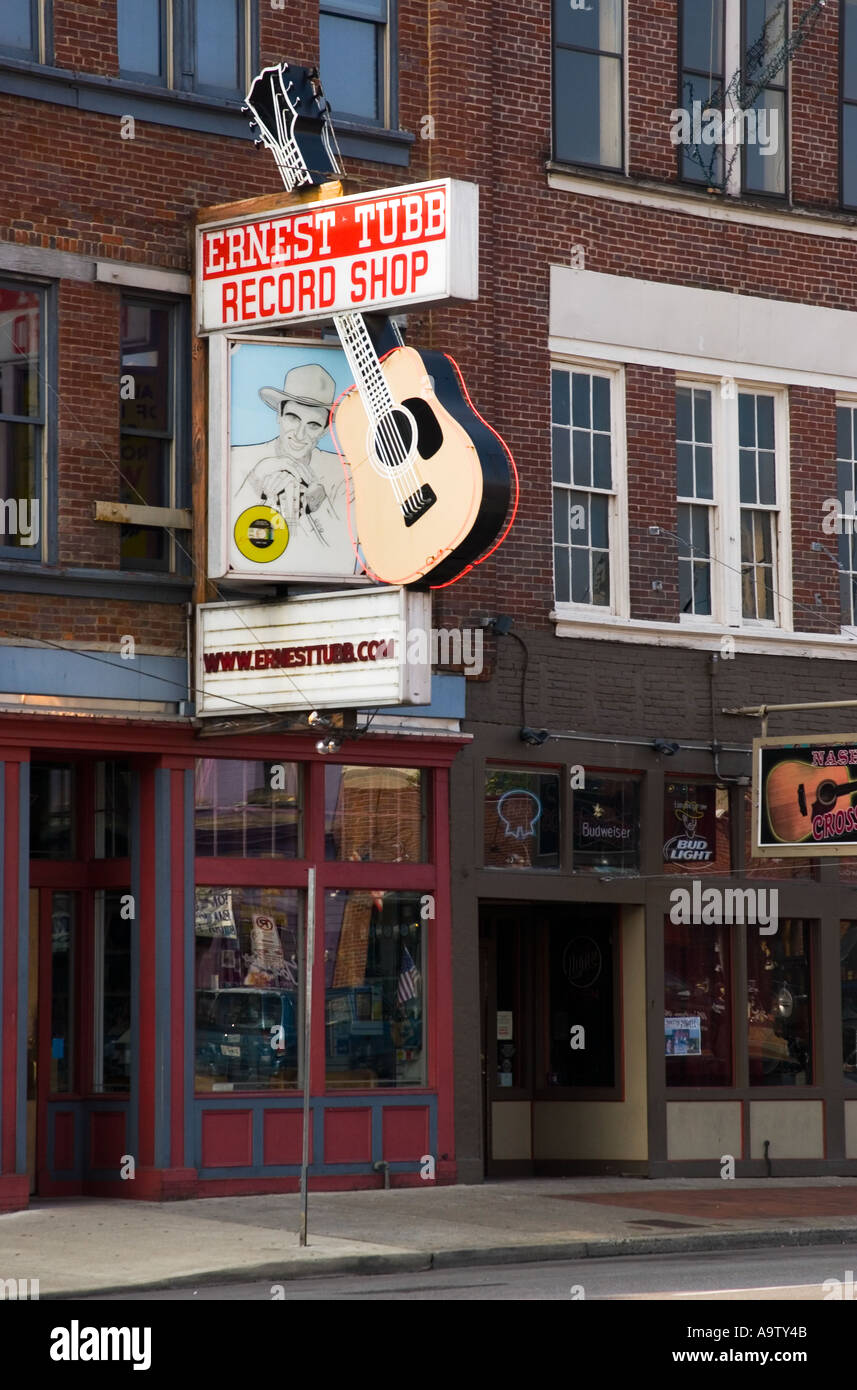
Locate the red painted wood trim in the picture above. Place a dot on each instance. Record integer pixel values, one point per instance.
(440, 1003)
(292, 873)
(44, 1026)
(9, 1022)
(177, 966)
(145, 910)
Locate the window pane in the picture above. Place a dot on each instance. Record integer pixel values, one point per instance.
(764, 34)
(700, 161)
(561, 456)
(521, 819)
(146, 368)
(848, 977)
(561, 575)
(684, 412)
(51, 819)
(697, 1004)
(112, 810)
(349, 66)
(580, 962)
(702, 34)
(844, 417)
(597, 25)
(20, 517)
(581, 389)
(684, 469)
(512, 962)
(217, 44)
(374, 813)
(16, 26)
(601, 578)
(560, 516)
(780, 1006)
(581, 578)
(249, 810)
(559, 398)
(112, 1051)
(602, 474)
(20, 338)
(606, 816)
(588, 94)
(601, 403)
(249, 976)
(374, 951)
(62, 986)
(849, 156)
(139, 36)
(582, 454)
(704, 472)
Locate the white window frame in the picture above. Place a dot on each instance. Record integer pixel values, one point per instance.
(617, 519)
(726, 600)
(846, 402)
(714, 503)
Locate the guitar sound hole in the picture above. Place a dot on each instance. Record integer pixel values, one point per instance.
(827, 793)
(429, 432)
(393, 439)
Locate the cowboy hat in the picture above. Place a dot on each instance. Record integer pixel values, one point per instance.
(310, 385)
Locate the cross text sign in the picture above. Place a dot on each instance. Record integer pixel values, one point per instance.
(377, 251)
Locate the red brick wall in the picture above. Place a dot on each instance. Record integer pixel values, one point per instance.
(650, 416)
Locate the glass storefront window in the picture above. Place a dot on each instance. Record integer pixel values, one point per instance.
(112, 803)
(62, 984)
(375, 989)
(249, 952)
(247, 810)
(112, 1033)
(51, 816)
(780, 1005)
(580, 965)
(696, 828)
(848, 978)
(697, 1005)
(606, 816)
(522, 818)
(374, 813)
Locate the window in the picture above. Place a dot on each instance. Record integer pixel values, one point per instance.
(112, 1031)
(249, 976)
(846, 468)
(355, 49)
(375, 989)
(22, 420)
(51, 811)
(112, 810)
(63, 940)
(521, 818)
(732, 487)
(204, 48)
(848, 975)
(780, 1005)
(606, 825)
(697, 1005)
(152, 413)
(581, 974)
(247, 810)
(702, 62)
(696, 828)
(374, 813)
(588, 83)
(848, 46)
(733, 94)
(695, 489)
(764, 38)
(22, 29)
(584, 491)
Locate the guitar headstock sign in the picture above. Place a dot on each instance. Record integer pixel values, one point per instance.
(381, 251)
(804, 796)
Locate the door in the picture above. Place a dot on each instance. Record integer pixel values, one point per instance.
(506, 984)
(33, 1039)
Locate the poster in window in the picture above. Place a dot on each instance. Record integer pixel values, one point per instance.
(683, 1036)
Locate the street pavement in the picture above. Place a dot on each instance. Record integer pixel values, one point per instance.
(92, 1247)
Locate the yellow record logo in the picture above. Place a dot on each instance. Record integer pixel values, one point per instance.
(261, 534)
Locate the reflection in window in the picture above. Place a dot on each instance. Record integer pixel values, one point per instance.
(374, 813)
(112, 809)
(766, 25)
(848, 976)
(140, 38)
(62, 985)
(780, 1006)
(351, 35)
(247, 810)
(19, 22)
(375, 989)
(112, 1032)
(51, 818)
(606, 815)
(702, 35)
(248, 965)
(581, 995)
(697, 1005)
(147, 442)
(521, 825)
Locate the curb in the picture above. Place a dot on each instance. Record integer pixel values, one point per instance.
(470, 1256)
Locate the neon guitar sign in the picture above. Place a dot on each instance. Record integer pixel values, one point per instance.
(431, 481)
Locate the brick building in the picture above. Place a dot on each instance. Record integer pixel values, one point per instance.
(662, 338)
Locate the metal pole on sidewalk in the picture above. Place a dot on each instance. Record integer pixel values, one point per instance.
(310, 952)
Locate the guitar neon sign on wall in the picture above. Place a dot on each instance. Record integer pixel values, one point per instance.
(430, 481)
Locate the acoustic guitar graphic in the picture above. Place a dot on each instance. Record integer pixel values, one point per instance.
(797, 792)
(430, 479)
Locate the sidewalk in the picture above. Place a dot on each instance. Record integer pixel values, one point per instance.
(86, 1246)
